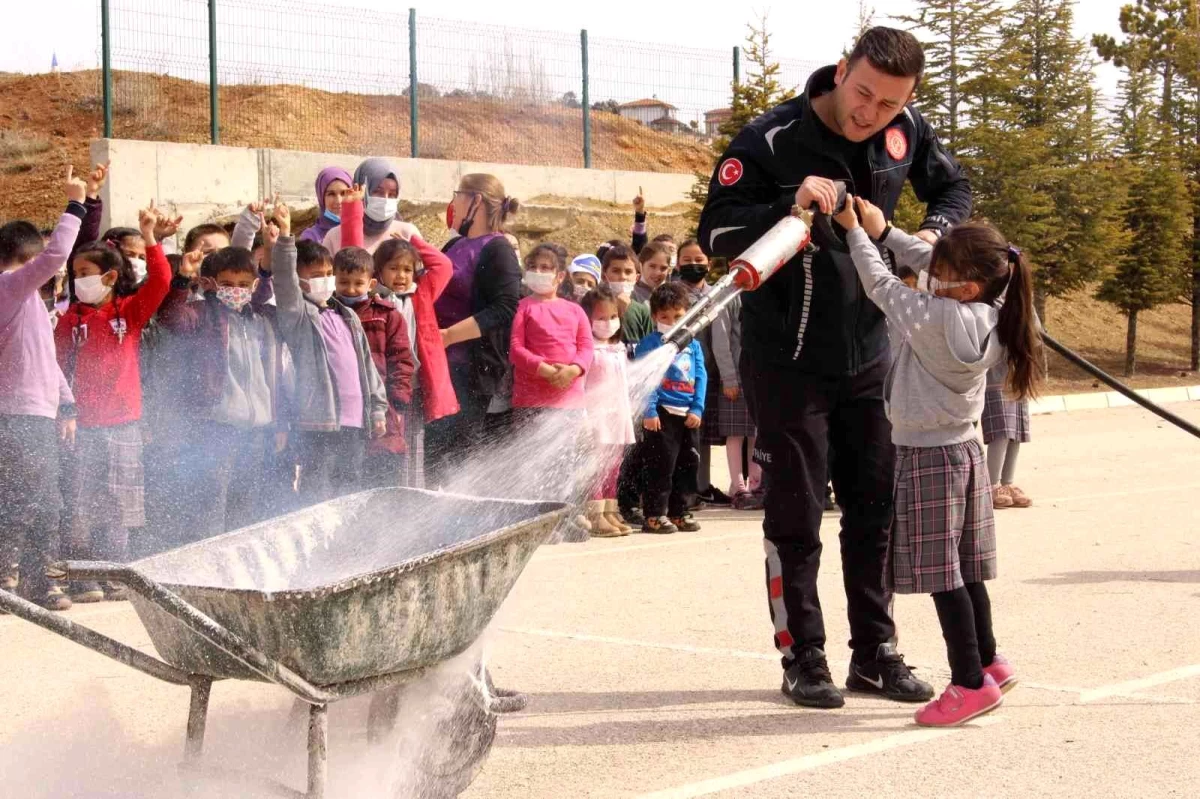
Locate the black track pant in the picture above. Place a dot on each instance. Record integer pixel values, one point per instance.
(672, 464)
(800, 418)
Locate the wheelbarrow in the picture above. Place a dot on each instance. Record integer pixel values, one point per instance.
(354, 596)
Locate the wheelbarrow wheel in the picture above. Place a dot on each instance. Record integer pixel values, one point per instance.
(462, 731)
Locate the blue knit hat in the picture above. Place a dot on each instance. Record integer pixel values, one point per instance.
(588, 264)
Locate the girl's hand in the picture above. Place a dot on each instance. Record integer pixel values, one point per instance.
(66, 432)
(190, 268)
(731, 393)
(547, 372)
(404, 230)
(639, 202)
(283, 218)
(167, 226)
(565, 376)
(96, 180)
(76, 188)
(148, 219)
(270, 235)
(356, 194)
(691, 421)
(207, 284)
(848, 219)
(872, 217)
(653, 424)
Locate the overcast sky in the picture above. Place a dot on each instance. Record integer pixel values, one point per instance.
(345, 49)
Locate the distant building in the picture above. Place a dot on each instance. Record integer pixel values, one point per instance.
(715, 118)
(647, 111)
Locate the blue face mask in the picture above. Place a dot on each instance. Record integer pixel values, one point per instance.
(332, 217)
(352, 300)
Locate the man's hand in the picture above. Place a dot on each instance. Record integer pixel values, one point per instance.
(96, 180)
(190, 267)
(66, 432)
(927, 236)
(76, 188)
(848, 218)
(731, 393)
(872, 217)
(817, 190)
(691, 421)
(653, 424)
(639, 202)
(283, 218)
(147, 221)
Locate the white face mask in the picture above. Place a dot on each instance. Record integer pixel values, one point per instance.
(320, 288)
(604, 329)
(931, 285)
(580, 291)
(139, 268)
(381, 209)
(621, 288)
(90, 289)
(664, 328)
(540, 282)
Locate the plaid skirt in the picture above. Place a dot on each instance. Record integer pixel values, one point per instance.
(1004, 418)
(943, 531)
(735, 417)
(110, 485)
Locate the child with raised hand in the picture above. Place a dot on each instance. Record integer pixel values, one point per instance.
(341, 401)
(99, 343)
(368, 221)
(672, 422)
(610, 418)
(413, 290)
(551, 350)
(387, 336)
(36, 404)
(976, 311)
(655, 262)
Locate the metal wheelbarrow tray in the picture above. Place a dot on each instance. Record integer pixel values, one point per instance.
(344, 598)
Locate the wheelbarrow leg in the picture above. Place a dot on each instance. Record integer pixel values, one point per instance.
(318, 750)
(197, 718)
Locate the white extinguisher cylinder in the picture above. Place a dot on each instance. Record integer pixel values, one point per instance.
(775, 248)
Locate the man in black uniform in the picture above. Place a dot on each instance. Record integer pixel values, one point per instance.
(815, 349)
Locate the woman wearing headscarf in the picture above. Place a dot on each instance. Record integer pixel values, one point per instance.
(333, 186)
(378, 211)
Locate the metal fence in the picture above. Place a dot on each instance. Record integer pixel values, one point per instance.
(315, 77)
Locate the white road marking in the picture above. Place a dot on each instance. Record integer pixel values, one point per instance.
(1079, 692)
(740, 779)
(604, 639)
(1124, 688)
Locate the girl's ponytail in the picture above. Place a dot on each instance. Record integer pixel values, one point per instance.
(1018, 330)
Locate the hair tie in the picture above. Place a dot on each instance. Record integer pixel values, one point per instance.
(1014, 254)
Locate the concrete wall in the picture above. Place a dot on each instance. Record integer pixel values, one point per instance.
(203, 182)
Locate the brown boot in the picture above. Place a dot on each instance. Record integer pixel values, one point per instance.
(613, 514)
(1001, 498)
(601, 527)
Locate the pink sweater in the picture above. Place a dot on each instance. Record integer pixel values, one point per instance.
(31, 383)
(556, 332)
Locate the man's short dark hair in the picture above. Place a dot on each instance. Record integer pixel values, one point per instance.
(353, 260)
(668, 297)
(309, 253)
(891, 51)
(227, 259)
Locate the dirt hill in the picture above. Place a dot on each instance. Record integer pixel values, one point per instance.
(47, 121)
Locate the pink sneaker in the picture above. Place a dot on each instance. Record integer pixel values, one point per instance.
(1003, 673)
(959, 705)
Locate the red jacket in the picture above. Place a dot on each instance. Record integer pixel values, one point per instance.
(98, 348)
(437, 392)
(387, 336)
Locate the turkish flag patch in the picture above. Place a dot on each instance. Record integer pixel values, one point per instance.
(730, 172)
(896, 142)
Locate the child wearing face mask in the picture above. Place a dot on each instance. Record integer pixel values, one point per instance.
(413, 295)
(391, 351)
(975, 311)
(233, 393)
(551, 350)
(98, 341)
(619, 268)
(656, 262)
(341, 399)
(584, 272)
(610, 418)
(372, 206)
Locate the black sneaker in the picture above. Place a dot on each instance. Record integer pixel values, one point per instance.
(808, 683)
(715, 496)
(887, 675)
(686, 523)
(659, 526)
(632, 516)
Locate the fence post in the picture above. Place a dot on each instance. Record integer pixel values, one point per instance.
(587, 111)
(737, 65)
(413, 148)
(106, 68)
(214, 113)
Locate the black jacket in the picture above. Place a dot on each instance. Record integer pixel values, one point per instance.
(495, 292)
(812, 315)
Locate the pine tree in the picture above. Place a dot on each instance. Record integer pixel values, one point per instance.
(865, 21)
(958, 36)
(1189, 57)
(751, 99)
(1154, 266)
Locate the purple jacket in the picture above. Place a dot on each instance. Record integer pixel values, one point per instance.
(31, 384)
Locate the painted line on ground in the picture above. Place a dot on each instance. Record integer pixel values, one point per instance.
(741, 779)
(1125, 688)
(1079, 692)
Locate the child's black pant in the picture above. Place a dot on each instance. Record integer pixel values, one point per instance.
(331, 464)
(672, 467)
(29, 499)
(966, 617)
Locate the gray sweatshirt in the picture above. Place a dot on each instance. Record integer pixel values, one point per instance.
(941, 348)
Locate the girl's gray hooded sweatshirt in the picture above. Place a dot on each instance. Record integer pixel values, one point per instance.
(941, 348)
